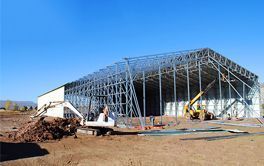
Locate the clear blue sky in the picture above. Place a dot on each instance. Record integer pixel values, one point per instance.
(46, 43)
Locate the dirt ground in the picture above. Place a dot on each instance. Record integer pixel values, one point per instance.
(126, 148)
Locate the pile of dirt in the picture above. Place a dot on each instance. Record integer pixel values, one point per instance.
(45, 129)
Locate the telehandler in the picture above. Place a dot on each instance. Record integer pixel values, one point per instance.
(200, 112)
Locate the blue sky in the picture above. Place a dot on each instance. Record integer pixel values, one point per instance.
(46, 43)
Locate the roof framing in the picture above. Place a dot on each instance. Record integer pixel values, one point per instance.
(150, 64)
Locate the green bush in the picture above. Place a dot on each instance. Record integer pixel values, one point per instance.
(24, 108)
(16, 107)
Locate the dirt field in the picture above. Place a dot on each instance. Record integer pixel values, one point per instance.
(125, 148)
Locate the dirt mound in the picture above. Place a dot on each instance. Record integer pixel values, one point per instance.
(45, 129)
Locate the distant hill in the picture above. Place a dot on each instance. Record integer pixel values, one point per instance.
(19, 103)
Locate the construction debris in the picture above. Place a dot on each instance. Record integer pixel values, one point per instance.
(45, 129)
(180, 132)
(185, 131)
(235, 131)
(213, 138)
(235, 124)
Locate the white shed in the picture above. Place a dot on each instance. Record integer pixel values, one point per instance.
(51, 96)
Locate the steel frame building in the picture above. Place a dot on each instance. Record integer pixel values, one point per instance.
(162, 84)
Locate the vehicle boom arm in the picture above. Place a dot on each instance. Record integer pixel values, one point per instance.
(197, 97)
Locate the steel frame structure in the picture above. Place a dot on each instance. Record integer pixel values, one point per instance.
(181, 74)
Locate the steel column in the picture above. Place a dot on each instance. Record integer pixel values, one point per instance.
(120, 97)
(160, 94)
(220, 89)
(175, 91)
(229, 92)
(127, 99)
(245, 110)
(144, 97)
(200, 81)
(116, 89)
(188, 85)
(131, 104)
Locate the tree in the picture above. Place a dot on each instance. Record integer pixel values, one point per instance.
(8, 104)
(24, 108)
(30, 108)
(16, 107)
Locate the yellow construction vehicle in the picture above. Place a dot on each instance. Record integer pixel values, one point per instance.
(200, 112)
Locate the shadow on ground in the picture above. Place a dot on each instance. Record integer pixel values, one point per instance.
(14, 151)
(124, 133)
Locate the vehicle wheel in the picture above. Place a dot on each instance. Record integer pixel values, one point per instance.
(188, 116)
(96, 132)
(109, 133)
(202, 116)
(212, 117)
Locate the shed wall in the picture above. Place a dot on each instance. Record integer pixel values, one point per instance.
(56, 95)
